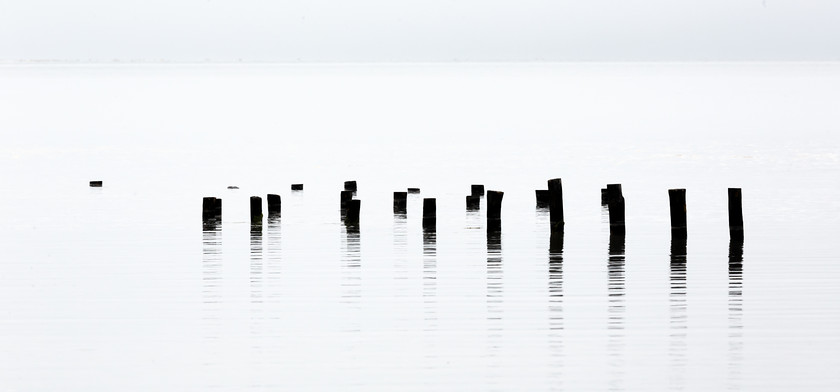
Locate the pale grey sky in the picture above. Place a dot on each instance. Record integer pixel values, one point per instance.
(419, 30)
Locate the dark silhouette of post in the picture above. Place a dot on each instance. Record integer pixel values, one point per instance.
(256, 210)
(297, 187)
(413, 190)
(208, 208)
(273, 202)
(736, 214)
(353, 209)
(543, 198)
(477, 190)
(346, 196)
(218, 209)
(473, 202)
(429, 213)
(555, 204)
(96, 184)
(679, 225)
(605, 199)
(400, 202)
(615, 203)
(494, 207)
(350, 186)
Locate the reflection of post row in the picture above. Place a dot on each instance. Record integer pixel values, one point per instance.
(551, 198)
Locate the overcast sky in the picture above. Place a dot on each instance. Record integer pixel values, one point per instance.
(419, 30)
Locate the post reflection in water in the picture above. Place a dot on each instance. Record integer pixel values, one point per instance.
(211, 294)
(494, 291)
(272, 264)
(256, 317)
(256, 267)
(615, 294)
(401, 270)
(351, 284)
(555, 304)
(211, 271)
(430, 278)
(736, 310)
(679, 319)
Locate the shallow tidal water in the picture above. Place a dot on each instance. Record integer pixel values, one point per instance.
(122, 287)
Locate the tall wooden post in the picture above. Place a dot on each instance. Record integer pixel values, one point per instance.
(615, 203)
(736, 214)
(353, 210)
(400, 202)
(273, 202)
(256, 210)
(429, 213)
(555, 204)
(678, 212)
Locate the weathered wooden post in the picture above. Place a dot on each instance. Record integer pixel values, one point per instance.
(208, 208)
(350, 186)
(297, 187)
(400, 202)
(218, 209)
(256, 210)
(353, 209)
(678, 212)
(413, 190)
(494, 205)
(494, 216)
(473, 202)
(96, 184)
(543, 198)
(477, 190)
(736, 214)
(274, 203)
(555, 204)
(429, 213)
(615, 204)
(346, 196)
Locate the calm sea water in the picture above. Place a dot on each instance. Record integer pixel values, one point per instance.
(122, 288)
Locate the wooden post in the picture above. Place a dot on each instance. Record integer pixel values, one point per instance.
(96, 184)
(555, 204)
(543, 198)
(273, 202)
(494, 205)
(413, 190)
(353, 209)
(297, 187)
(678, 212)
(494, 219)
(615, 203)
(218, 209)
(473, 202)
(208, 208)
(350, 186)
(605, 199)
(256, 210)
(346, 196)
(429, 213)
(477, 190)
(736, 214)
(400, 202)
